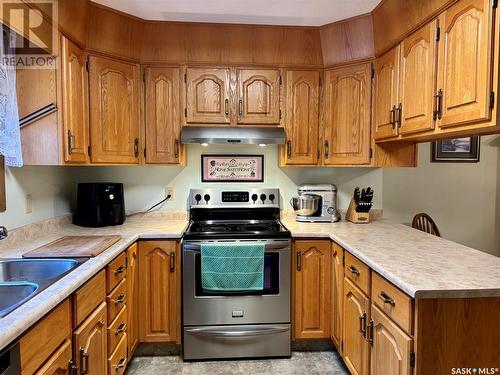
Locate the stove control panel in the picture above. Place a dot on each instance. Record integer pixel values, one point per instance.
(213, 198)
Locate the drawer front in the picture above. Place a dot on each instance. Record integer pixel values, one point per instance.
(393, 302)
(117, 300)
(117, 330)
(118, 359)
(116, 272)
(88, 297)
(358, 272)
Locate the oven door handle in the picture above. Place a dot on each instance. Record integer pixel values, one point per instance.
(239, 333)
(268, 246)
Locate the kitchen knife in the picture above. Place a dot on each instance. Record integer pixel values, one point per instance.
(356, 194)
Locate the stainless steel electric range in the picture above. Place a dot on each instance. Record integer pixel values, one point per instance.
(236, 324)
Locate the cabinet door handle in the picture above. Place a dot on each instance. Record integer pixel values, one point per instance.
(386, 298)
(392, 113)
(240, 105)
(120, 364)
(370, 332)
(120, 299)
(71, 139)
(176, 148)
(399, 120)
(299, 261)
(362, 324)
(354, 270)
(226, 107)
(327, 150)
(438, 112)
(72, 369)
(84, 361)
(136, 147)
(289, 149)
(121, 328)
(119, 270)
(172, 262)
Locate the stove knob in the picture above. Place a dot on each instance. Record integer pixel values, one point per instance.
(197, 197)
(263, 197)
(254, 198)
(207, 198)
(271, 198)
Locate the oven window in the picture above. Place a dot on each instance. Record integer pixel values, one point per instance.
(271, 278)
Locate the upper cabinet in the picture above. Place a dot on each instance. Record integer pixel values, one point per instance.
(114, 111)
(347, 126)
(259, 96)
(163, 120)
(302, 118)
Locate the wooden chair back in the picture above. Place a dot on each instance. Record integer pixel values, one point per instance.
(425, 223)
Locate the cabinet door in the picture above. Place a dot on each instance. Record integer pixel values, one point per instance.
(347, 115)
(133, 299)
(163, 122)
(337, 295)
(386, 101)
(302, 117)
(114, 111)
(60, 363)
(356, 347)
(390, 353)
(75, 108)
(311, 309)
(259, 96)
(418, 80)
(207, 96)
(465, 64)
(89, 342)
(158, 291)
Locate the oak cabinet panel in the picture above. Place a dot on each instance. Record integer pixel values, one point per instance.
(159, 291)
(114, 111)
(465, 64)
(163, 121)
(311, 307)
(355, 318)
(347, 127)
(133, 298)
(207, 96)
(90, 343)
(386, 101)
(302, 118)
(60, 363)
(259, 96)
(391, 347)
(75, 109)
(337, 295)
(418, 80)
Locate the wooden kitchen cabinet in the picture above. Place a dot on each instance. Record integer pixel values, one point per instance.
(114, 111)
(391, 347)
(386, 101)
(337, 295)
(163, 120)
(347, 129)
(90, 343)
(465, 63)
(355, 319)
(159, 291)
(311, 289)
(207, 96)
(60, 363)
(258, 96)
(302, 118)
(133, 299)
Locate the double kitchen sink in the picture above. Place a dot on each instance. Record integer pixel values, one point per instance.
(22, 279)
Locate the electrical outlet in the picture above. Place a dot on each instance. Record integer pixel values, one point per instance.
(169, 191)
(28, 204)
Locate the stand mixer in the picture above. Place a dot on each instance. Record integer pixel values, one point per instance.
(316, 203)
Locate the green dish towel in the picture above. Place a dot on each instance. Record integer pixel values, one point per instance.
(232, 266)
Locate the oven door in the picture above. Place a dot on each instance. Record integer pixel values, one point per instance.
(271, 305)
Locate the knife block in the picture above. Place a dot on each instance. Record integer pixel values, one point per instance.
(356, 217)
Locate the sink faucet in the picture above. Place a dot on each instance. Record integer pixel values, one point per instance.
(3, 233)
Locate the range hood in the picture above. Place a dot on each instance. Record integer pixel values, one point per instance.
(224, 135)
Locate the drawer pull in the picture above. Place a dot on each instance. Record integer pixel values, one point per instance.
(362, 324)
(84, 361)
(120, 299)
(354, 270)
(119, 270)
(387, 299)
(121, 328)
(120, 364)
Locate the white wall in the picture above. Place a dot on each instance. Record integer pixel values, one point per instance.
(463, 198)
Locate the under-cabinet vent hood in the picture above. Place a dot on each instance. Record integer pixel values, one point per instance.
(232, 135)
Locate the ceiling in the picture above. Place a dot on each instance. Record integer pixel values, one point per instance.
(265, 12)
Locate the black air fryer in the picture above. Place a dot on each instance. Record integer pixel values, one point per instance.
(99, 205)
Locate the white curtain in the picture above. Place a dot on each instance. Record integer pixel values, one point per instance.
(10, 137)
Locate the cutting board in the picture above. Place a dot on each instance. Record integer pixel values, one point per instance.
(73, 247)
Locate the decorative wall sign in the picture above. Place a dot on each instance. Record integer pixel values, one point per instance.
(456, 150)
(232, 168)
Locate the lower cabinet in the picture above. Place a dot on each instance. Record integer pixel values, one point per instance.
(311, 289)
(391, 347)
(133, 299)
(60, 363)
(159, 291)
(337, 295)
(89, 342)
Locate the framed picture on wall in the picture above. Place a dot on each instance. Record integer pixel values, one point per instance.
(456, 150)
(232, 168)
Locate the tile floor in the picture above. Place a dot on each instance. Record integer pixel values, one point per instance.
(301, 363)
